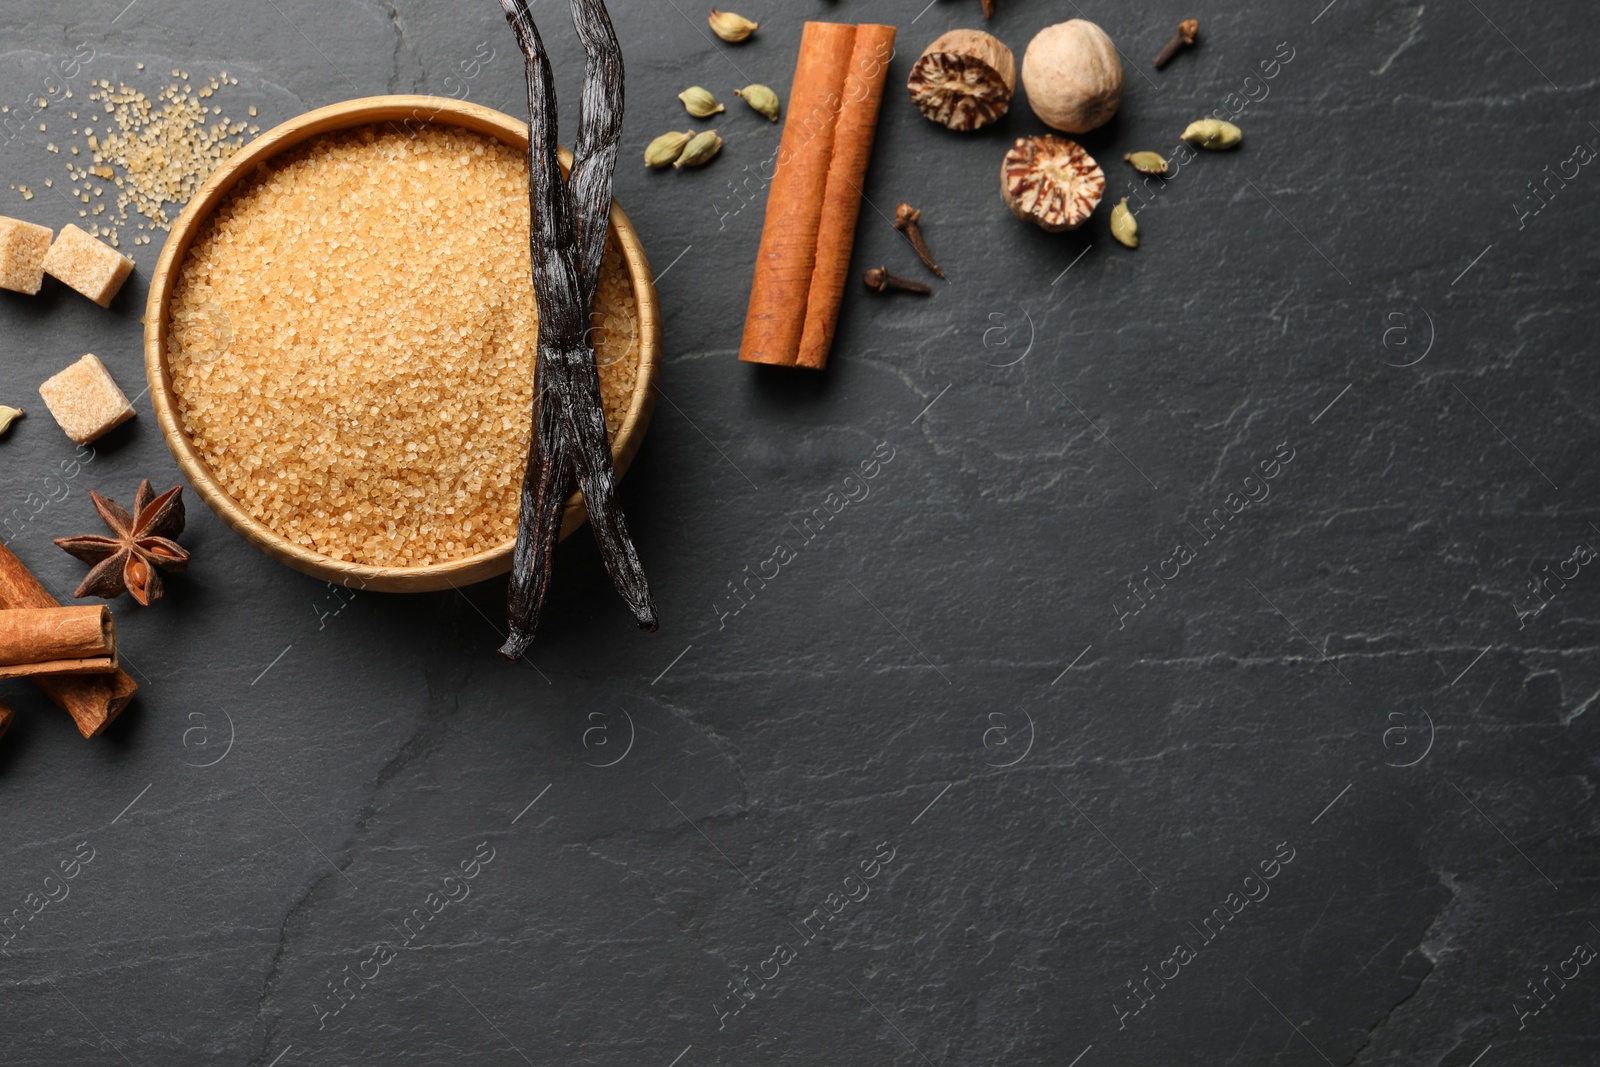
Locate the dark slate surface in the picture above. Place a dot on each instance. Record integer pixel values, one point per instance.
(952, 688)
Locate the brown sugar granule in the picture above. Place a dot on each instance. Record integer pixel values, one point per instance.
(353, 338)
(85, 401)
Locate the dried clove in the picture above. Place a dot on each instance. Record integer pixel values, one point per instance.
(880, 279)
(1187, 29)
(988, 9)
(905, 220)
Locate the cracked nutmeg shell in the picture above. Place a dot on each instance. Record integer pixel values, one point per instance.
(1052, 182)
(964, 80)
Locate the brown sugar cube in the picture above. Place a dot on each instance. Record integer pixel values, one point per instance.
(94, 269)
(22, 250)
(85, 401)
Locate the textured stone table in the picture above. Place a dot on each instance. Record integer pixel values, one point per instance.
(995, 770)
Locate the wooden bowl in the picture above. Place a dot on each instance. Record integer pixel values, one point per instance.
(353, 113)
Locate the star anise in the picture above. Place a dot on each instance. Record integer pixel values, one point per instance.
(141, 547)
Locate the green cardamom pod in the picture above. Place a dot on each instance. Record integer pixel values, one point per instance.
(730, 27)
(764, 100)
(701, 150)
(1147, 162)
(1124, 227)
(666, 148)
(8, 416)
(699, 102)
(1213, 134)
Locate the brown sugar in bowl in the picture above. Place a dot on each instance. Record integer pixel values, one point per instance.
(398, 114)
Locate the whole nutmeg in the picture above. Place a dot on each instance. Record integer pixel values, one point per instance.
(1073, 76)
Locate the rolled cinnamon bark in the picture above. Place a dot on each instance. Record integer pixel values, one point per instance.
(71, 640)
(853, 134)
(93, 700)
(778, 292)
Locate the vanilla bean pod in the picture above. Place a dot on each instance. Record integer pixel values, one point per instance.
(548, 473)
(594, 158)
(568, 239)
(594, 163)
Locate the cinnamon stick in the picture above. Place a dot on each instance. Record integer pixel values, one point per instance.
(841, 201)
(93, 700)
(71, 640)
(781, 285)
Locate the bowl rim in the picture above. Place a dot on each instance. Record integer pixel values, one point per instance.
(335, 118)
